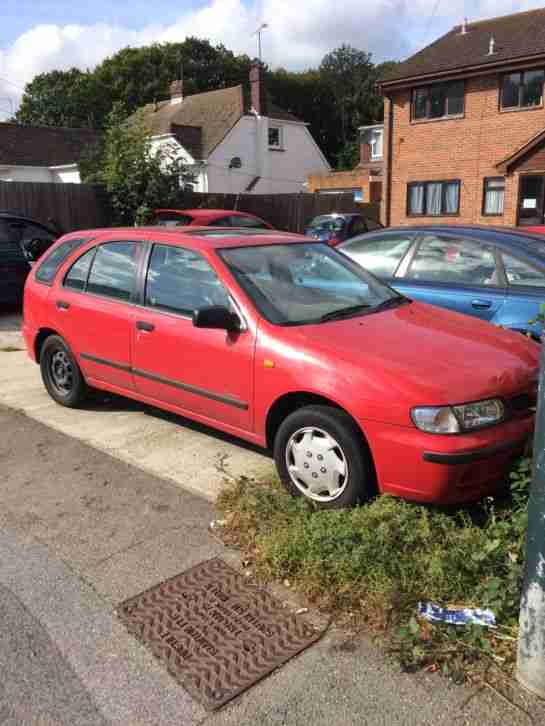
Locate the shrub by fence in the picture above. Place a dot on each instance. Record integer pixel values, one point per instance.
(83, 206)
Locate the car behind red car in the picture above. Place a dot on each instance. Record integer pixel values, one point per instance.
(207, 218)
(286, 343)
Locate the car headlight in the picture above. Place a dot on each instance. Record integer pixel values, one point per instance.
(456, 419)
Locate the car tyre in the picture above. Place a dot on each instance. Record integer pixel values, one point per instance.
(61, 373)
(322, 455)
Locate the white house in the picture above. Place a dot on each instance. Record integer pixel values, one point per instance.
(231, 148)
(42, 153)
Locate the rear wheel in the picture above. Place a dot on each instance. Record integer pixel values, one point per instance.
(320, 454)
(61, 374)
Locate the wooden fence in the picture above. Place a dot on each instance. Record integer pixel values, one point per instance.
(83, 206)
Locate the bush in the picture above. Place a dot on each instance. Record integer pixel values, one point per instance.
(377, 561)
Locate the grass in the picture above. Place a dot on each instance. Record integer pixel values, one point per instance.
(370, 566)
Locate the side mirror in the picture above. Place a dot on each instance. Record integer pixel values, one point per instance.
(216, 317)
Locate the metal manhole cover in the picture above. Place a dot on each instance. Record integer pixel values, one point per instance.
(216, 633)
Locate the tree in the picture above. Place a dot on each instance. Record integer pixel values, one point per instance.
(63, 98)
(138, 179)
(349, 74)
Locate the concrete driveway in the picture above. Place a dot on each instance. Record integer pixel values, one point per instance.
(191, 455)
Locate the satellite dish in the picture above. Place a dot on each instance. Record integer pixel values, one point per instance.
(235, 163)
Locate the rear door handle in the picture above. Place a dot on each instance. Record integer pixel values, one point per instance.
(142, 325)
(62, 305)
(481, 303)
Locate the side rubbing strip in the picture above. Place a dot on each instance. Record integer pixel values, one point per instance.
(104, 362)
(228, 400)
(193, 389)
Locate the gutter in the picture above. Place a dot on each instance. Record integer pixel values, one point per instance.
(475, 69)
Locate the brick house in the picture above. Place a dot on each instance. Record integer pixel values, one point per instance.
(465, 127)
(365, 180)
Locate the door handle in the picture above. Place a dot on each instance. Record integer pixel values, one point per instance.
(483, 304)
(62, 305)
(142, 325)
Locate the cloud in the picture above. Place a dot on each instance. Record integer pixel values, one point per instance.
(298, 36)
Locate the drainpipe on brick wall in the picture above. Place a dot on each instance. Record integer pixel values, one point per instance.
(388, 210)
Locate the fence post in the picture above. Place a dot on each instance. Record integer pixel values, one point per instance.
(531, 641)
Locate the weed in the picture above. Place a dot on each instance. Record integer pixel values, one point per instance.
(375, 562)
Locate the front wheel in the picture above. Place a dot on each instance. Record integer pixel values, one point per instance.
(61, 374)
(320, 454)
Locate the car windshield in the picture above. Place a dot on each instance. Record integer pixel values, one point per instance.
(297, 283)
(326, 223)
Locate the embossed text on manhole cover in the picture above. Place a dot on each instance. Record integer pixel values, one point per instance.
(216, 633)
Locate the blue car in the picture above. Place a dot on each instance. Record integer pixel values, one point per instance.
(493, 273)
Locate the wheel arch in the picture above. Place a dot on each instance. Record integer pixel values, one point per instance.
(41, 337)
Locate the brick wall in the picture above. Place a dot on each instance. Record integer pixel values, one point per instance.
(465, 148)
(356, 179)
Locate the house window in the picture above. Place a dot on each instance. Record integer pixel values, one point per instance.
(522, 90)
(375, 142)
(440, 100)
(433, 198)
(494, 193)
(275, 137)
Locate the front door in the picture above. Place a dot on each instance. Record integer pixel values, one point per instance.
(203, 371)
(455, 273)
(531, 200)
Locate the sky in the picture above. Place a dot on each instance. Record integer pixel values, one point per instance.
(42, 35)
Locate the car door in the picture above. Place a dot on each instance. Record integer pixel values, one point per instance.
(202, 371)
(457, 273)
(381, 253)
(525, 294)
(14, 266)
(93, 310)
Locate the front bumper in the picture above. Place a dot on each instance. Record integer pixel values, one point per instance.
(445, 469)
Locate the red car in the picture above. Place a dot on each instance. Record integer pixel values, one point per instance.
(286, 343)
(207, 218)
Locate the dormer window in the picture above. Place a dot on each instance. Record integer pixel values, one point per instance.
(275, 137)
(522, 90)
(440, 100)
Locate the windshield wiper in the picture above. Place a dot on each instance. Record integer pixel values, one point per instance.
(392, 302)
(344, 312)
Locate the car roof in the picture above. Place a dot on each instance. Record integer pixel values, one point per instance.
(199, 238)
(209, 213)
(16, 215)
(530, 243)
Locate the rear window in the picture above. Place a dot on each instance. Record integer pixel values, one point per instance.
(327, 223)
(172, 219)
(49, 266)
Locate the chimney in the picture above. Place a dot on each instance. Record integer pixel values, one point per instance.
(259, 99)
(176, 91)
(463, 30)
(491, 46)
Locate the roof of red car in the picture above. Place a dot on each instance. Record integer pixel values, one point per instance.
(208, 213)
(196, 237)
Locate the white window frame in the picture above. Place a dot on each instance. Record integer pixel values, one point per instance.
(376, 139)
(280, 144)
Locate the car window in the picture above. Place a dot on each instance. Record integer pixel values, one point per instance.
(10, 245)
(357, 226)
(171, 219)
(297, 283)
(220, 222)
(35, 231)
(380, 255)
(182, 281)
(50, 264)
(238, 220)
(76, 277)
(327, 223)
(452, 260)
(372, 224)
(519, 273)
(113, 271)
